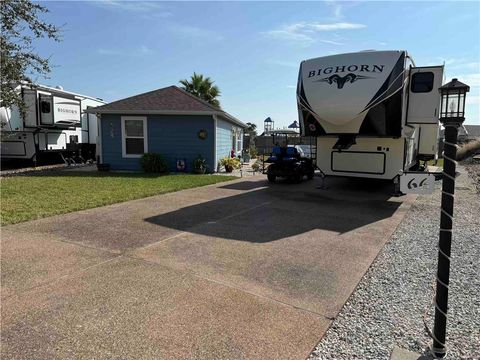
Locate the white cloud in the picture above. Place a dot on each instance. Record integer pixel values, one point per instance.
(467, 65)
(291, 86)
(332, 27)
(145, 50)
(153, 8)
(460, 63)
(337, 9)
(472, 80)
(291, 36)
(473, 100)
(187, 31)
(103, 51)
(142, 50)
(305, 33)
(284, 63)
(332, 42)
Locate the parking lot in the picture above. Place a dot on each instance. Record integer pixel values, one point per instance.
(243, 269)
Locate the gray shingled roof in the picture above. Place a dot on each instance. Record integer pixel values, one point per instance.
(168, 100)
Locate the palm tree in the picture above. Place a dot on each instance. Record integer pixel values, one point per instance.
(203, 88)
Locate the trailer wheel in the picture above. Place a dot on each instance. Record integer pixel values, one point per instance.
(271, 177)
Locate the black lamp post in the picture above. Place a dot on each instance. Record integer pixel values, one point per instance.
(451, 116)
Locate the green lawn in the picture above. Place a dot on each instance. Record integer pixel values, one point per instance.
(439, 162)
(31, 197)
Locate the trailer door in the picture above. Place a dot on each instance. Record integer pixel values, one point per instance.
(46, 109)
(423, 108)
(423, 95)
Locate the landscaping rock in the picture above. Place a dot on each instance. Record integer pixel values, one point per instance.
(389, 304)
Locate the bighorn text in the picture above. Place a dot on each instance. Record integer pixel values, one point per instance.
(345, 68)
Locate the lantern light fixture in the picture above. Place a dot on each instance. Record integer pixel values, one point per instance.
(453, 101)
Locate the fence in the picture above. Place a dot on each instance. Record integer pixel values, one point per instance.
(265, 144)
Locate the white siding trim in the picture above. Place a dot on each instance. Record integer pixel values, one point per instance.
(145, 136)
(99, 139)
(215, 161)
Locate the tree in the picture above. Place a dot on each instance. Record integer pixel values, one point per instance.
(203, 88)
(20, 26)
(252, 128)
(252, 134)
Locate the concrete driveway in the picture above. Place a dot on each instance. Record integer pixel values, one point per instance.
(239, 270)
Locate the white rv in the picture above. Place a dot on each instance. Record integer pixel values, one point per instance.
(373, 113)
(55, 121)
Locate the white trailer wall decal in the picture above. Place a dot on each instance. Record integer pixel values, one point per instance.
(373, 113)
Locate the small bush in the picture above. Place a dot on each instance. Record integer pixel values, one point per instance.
(154, 163)
(200, 164)
(468, 149)
(256, 166)
(230, 163)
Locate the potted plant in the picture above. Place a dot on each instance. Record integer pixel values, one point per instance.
(200, 165)
(230, 163)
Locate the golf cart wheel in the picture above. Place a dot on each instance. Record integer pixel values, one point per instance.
(297, 178)
(271, 178)
(311, 174)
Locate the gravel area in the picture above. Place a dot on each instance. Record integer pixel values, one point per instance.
(45, 169)
(473, 168)
(388, 306)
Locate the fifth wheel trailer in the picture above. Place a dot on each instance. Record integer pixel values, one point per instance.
(55, 121)
(374, 114)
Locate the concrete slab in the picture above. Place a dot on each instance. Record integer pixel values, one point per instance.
(305, 248)
(120, 227)
(131, 309)
(237, 270)
(402, 354)
(32, 259)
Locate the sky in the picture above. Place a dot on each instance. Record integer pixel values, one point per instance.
(252, 50)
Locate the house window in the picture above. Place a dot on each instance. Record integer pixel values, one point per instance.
(134, 136)
(239, 142)
(45, 107)
(422, 82)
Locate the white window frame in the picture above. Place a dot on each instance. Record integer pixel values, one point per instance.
(124, 137)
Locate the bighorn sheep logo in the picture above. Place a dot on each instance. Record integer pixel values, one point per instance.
(340, 81)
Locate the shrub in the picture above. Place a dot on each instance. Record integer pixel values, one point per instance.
(230, 163)
(468, 149)
(256, 166)
(200, 164)
(253, 152)
(154, 163)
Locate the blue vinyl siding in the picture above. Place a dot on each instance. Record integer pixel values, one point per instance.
(172, 136)
(224, 139)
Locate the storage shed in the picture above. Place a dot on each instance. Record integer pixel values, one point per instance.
(168, 121)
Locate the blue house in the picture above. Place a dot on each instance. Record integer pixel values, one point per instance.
(168, 121)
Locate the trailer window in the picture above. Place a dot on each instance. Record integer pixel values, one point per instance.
(422, 82)
(45, 107)
(134, 130)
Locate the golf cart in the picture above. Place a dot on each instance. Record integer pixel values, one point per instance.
(289, 162)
